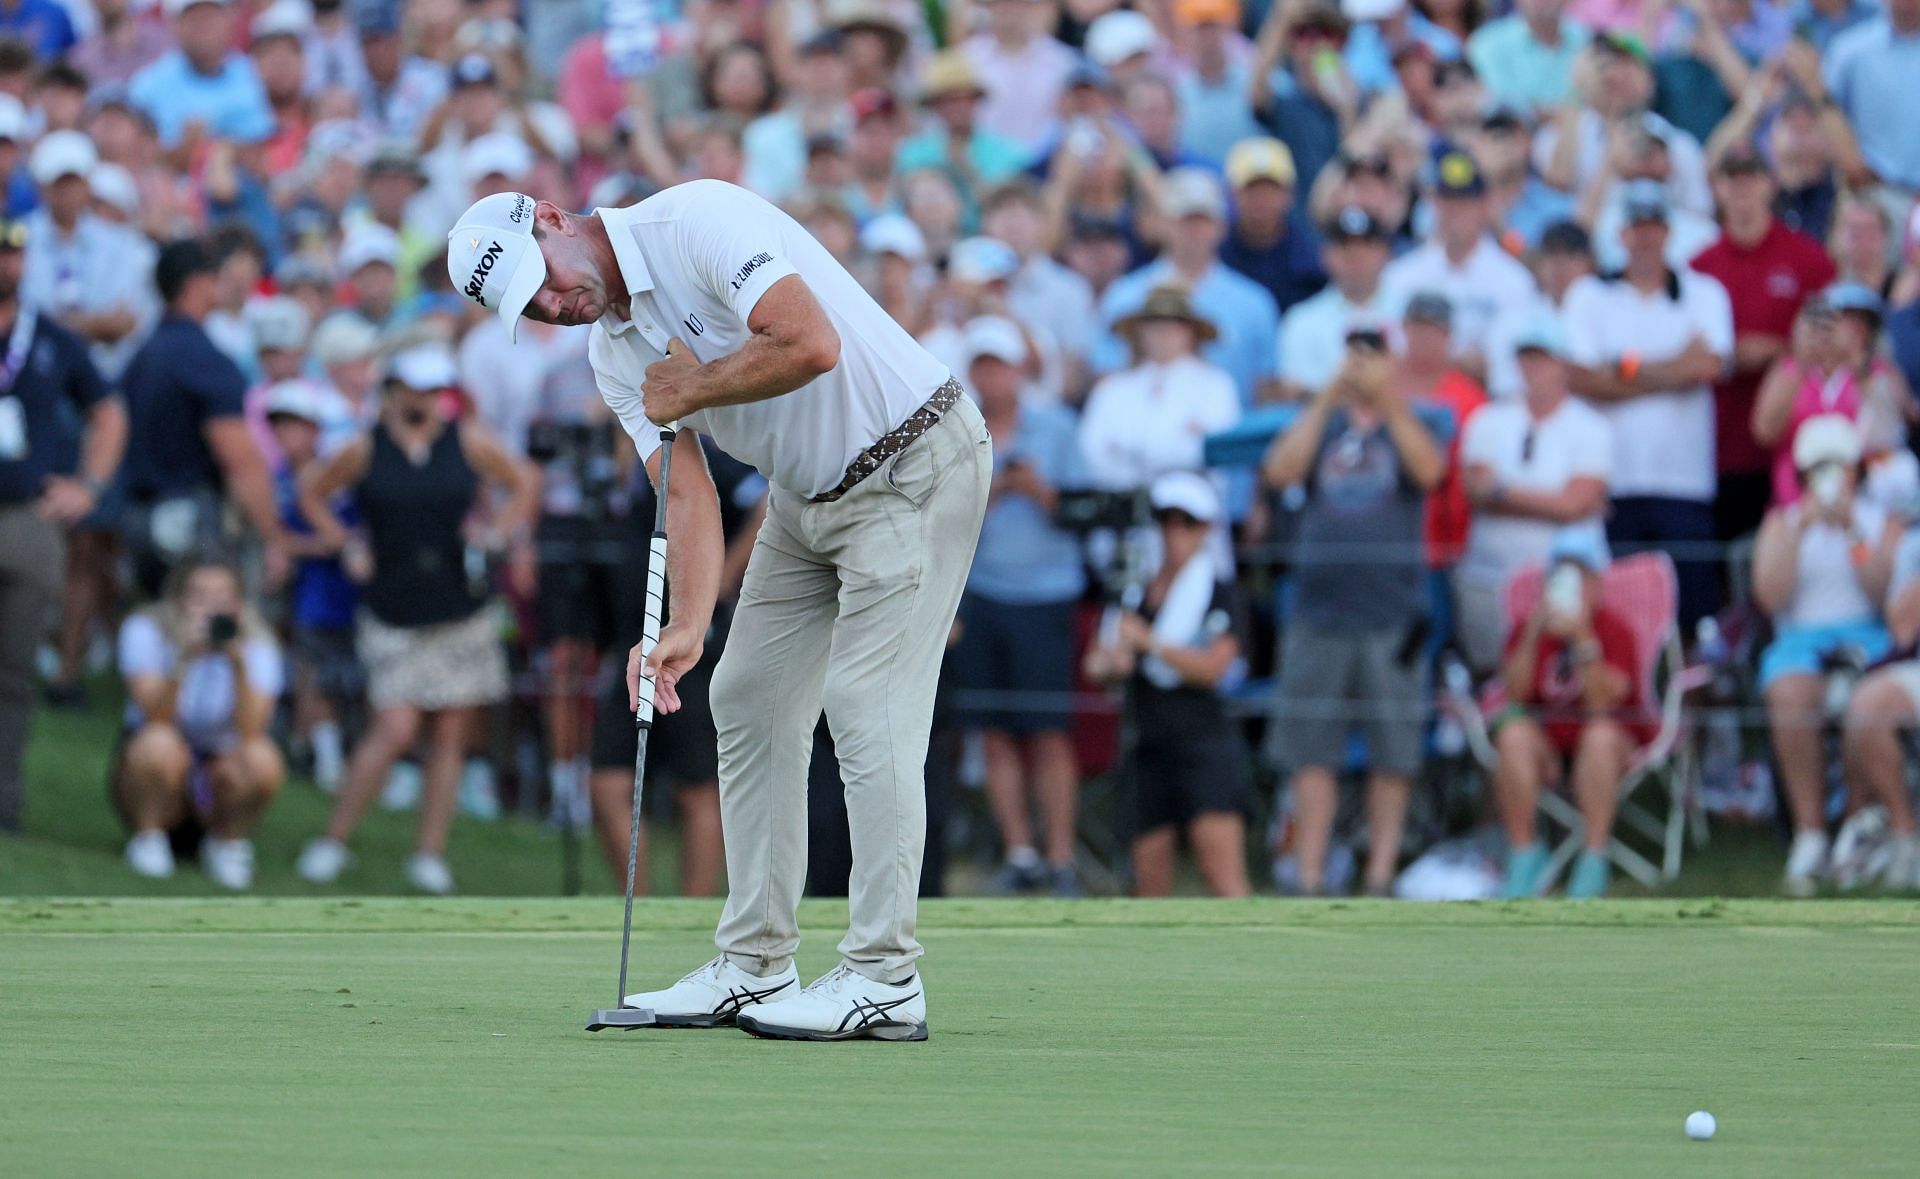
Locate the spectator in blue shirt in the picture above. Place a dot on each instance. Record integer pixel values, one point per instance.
(204, 88)
(1820, 21)
(190, 443)
(1016, 621)
(1240, 308)
(1870, 72)
(43, 25)
(1271, 241)
(1309, 104)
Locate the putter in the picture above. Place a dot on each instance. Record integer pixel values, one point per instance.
(620, 1015)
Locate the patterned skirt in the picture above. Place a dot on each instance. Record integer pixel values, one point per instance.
(446, 665)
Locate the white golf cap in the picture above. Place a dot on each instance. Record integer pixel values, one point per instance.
(296, 397)
(496, 154)
(1186, 491)
(1193, 192)
(176, 7)
(423, 367)
(60, 154)
(894, 233)
(13, 119)
(279, 322)
(342, 337)
(367, 243)
(116, 186)
(282, 18)
(1118, 35)
(493, 259)
(1826, 438)
(982, 259)
(995, 336)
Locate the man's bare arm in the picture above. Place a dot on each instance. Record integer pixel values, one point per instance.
(696, 543)
(793, 342)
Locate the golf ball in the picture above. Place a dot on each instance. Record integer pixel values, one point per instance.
(1700, 1125)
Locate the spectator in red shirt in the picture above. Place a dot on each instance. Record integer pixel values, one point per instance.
(1575, 697)
(1427, 373)
(1768, 270)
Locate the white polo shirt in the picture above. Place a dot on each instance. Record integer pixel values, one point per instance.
(1313, 334)
(1526, 453)
(1144, 421)
(1487, 283)
(1663, 441)
(696, 259)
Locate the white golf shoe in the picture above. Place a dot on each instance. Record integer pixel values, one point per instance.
(150, 854)
(843, 1004)
(322, 861)
(228, 862)
(712, 995)
(1806, 860)
(429, 874)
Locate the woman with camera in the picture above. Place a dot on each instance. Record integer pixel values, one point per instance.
(429, 641)
(195, 768)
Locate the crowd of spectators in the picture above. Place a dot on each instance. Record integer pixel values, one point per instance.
(1486, 289)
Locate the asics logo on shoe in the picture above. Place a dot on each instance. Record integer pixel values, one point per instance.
(740, 997)
(869, 1011)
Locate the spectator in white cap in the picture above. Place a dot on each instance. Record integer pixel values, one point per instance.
(1821, 570)
(369, 261)
(429, 641)
(496, 162)
(1122, 43)
(1175, 653)
(343, 349)
(1244, 316)
(204, 89)
(95, 277)
(980, 273)
(1017, 618)
(897, 274)
(279, 325)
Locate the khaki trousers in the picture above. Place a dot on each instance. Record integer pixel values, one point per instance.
(846, 606)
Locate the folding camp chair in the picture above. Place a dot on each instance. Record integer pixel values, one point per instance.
(1642, 591)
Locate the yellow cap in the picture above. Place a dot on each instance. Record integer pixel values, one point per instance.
(946, 73)
(1207, 12)
(1260, 159)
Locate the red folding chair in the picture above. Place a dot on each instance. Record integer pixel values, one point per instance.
(1642, 591)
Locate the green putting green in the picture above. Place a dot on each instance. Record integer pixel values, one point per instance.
(407, 1037)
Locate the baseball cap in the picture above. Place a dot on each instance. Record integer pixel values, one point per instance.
(1118, 35)
(279, 321)
(995, 336)
(982, 259)
(1502, 116)
(1741, 159)
(1623, 44)
(473, 70)
(1186, 491)
(367, 243)
(1260, 159)
(894, 233)
(393, 158)
(493, 259)
(1643, 200)
(1566, 237)
(1542, 333)
(1826, 438)
(342, 337)
(1207, 12)
(176, 7)
(423, 367)
(1192, 192)
(61, 153)
(1429, 307)
(282, 18)
(1456, 175)
(1355, 223)
(295, 397)
(1582, 544)
(496, 153)
(116, 186)
(1848, 295)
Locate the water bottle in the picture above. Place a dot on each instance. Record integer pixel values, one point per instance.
(1720, 734)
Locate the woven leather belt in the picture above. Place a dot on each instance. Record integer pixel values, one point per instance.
(894, 441)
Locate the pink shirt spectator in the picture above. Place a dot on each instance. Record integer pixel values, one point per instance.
(1836, 392)
(114, 60)
(1023, 86)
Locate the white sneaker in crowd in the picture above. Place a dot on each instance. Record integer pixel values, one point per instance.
(843, 1004)
(322, 861)
(429, 874)
(1903, 864)
(479, 795)
(150, 853)
(711, 996)
(228, 862)
(329, 757)
(1806, 860)
(402, 791)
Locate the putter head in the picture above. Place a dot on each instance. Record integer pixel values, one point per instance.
(620, 1017)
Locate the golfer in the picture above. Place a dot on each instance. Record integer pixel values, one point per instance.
(714, 310)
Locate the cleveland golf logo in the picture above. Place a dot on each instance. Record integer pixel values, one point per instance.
(480, 271)
(754, 263)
